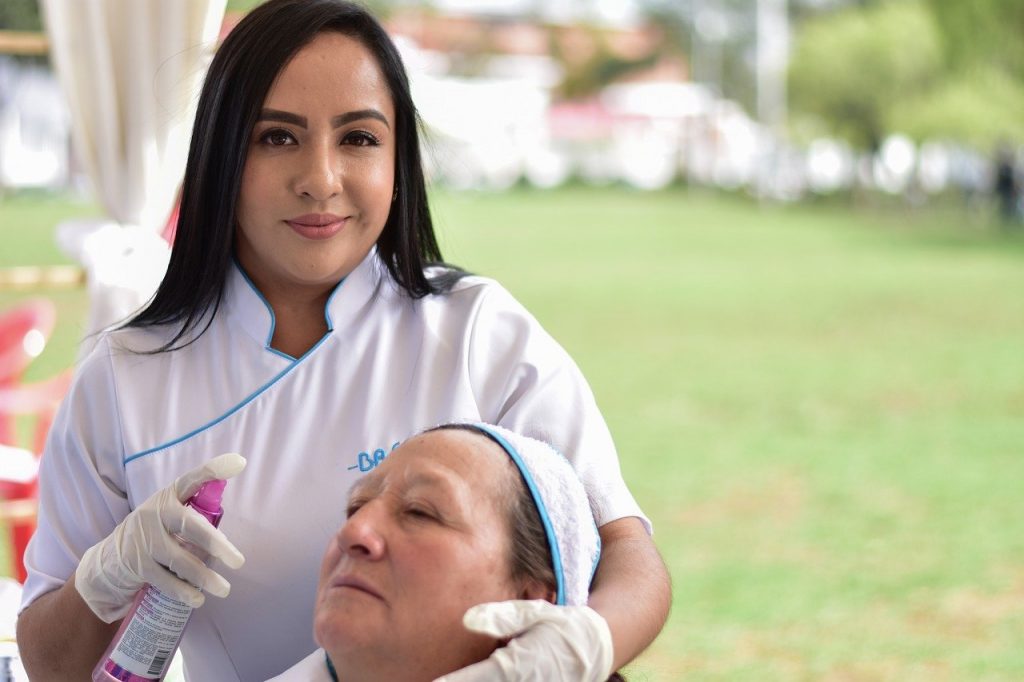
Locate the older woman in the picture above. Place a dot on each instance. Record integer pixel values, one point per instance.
(455, 517)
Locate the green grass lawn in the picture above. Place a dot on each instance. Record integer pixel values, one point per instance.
(821, 410)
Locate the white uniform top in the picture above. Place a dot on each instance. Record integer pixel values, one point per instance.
(388, 367)
(312, 668)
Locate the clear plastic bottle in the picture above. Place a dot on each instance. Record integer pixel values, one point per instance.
(150, 633)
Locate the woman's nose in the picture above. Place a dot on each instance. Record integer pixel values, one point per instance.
(362, 535)
(320, 176)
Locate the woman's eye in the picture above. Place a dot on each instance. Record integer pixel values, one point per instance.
(420, 513)
(352, 508)
(277, 138)
(361, 138)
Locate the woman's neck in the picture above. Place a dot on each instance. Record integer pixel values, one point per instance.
(359, 668)
(299, 320)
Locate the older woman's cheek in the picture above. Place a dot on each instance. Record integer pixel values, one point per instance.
(327, 565)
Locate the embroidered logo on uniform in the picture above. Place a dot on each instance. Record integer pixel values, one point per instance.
(367, 461)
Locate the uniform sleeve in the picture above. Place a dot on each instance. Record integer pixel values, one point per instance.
(525, 381)
(81, 478)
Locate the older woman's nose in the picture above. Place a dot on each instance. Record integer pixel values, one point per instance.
(362, 534)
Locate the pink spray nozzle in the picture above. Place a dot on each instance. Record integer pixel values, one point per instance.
(206, 500)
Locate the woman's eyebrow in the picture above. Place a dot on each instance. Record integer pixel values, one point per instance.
(342, 119)
(365, 485)
(449, 486)
(282, 117)
(336, 122)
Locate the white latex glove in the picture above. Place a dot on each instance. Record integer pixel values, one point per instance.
(549, 643)
(143, 550)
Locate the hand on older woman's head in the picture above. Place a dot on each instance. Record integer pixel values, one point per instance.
(549, 643)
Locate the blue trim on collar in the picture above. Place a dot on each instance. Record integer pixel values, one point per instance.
(270, 311)
(236, 408)
(327, 306)
(270, 336)
(266, 304)
(330, 667)
(549, 531)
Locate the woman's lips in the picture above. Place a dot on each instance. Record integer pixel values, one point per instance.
(317, 225)
(356, 584)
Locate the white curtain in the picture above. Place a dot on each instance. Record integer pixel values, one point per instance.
(131, 72)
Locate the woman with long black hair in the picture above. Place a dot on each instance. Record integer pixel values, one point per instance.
(308, 322)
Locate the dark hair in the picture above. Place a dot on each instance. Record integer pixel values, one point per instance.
(530, 556)
(531, 553)
(236, 85)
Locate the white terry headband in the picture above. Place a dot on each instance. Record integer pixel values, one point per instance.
(563, 506)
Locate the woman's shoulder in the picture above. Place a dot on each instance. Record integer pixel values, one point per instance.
(448, 279)
(131, 351)
(462, 301)
(97, 373)
(141, 341)
(474, 295)
(452, 283)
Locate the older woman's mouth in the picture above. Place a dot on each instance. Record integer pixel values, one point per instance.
(352, 582)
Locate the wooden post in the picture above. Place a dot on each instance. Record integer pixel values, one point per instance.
(24, 43)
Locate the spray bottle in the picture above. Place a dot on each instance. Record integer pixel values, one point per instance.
(150, 633)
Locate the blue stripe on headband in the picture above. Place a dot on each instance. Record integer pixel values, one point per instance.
(556, 555)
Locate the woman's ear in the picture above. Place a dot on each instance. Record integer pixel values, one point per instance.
(534, 589)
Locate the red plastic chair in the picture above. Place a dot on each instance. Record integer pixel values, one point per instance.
(18, 490)
(24, 331)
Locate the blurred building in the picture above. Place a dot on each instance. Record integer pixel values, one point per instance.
(512, 92)
(35, 128)
(524, 111)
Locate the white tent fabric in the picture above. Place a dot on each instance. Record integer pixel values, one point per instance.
(131, 70)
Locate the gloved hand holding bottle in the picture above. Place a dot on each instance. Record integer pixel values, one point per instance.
(144, 548)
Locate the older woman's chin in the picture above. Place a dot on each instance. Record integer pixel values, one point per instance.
(336, 632)
(426, 654)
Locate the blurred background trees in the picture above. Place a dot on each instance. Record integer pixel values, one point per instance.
(850, 70)
(927, 68)
(20, 15)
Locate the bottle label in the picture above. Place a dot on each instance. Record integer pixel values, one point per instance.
(152, 635)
